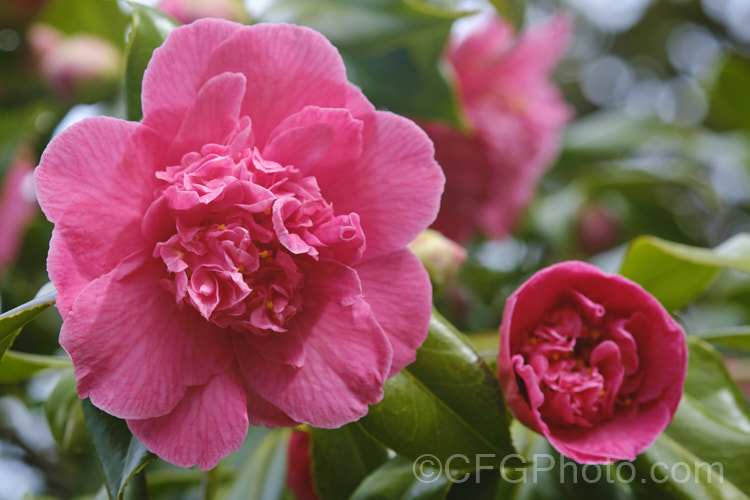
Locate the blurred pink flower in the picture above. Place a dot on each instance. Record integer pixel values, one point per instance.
(17, 207)
(79, 67)
(240, 255)
(299, 467)
(187, 11)
(591, 361)
(515, 116)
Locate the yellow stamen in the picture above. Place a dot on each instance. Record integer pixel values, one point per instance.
(241, 268)
(264, 254)
(267, 211)
(534, 341)
(595, 333)
(269, 305)
(601, 392)
(628, 401)
(221, 227)
(556, 356)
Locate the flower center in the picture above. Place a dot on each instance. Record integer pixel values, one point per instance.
(246, 231)
(585, 364)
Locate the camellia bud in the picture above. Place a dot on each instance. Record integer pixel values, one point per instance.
(598, 229)
(78, 68)
(187, 11)
(299, 477)
(441, 256)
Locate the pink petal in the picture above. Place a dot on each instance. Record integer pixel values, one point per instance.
(134, 352)
(398, 290)
(208, 424)
(294, 141)
(286, 348)
(177, 71)
(623, 437)
(262, 413)
(99, 217)
(292, 67)
(212, 117)
(395, 187)
(347, 359)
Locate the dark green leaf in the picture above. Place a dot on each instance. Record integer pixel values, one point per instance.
(263, 474)
(512, 10)
(674, 273)
(149, 29)
(120, 455)
(12, 321)
(729, 101)
(341, 458)
(397, 479)
(447, 402)
(64, 413)
(20, 365)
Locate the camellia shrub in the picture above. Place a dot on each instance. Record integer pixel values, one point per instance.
(408, 249)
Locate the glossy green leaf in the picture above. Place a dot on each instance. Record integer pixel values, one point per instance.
(397, 479)
(512, 10)
(20, 365)
(263, 475)
(674, 273)
(391, 48)
(341, 459)
(12, 321)
(149, 29)
(705, 452)
(120, 455)
(737, 337)
(447, 402)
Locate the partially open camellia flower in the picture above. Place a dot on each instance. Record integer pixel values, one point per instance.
(591, 361)
(515, 115)
(239, 256)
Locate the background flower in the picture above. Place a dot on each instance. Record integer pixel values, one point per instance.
(515, 115)
(256, 220)
(591, 361)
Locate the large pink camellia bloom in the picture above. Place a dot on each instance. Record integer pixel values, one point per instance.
(238, 257)
(591, 361)
(516, 116)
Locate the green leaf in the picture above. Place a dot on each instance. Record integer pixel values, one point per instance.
(710, 433)
(97, 17)
(341, 459)
(397, 479)
(12, 321)
(447, 402)
(120, 455)
(263, 475)
(392, 49)
(675, 274)
(736, 337)
(512, 10)
(18, 366)
(64, 413)
(669, 471)
(729, 102)
(149, 29)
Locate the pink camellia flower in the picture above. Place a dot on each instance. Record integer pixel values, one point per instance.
(591, 361)
(516, 116)
(299, 467)
(239, 256)
(187, 11)
(18, 207)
